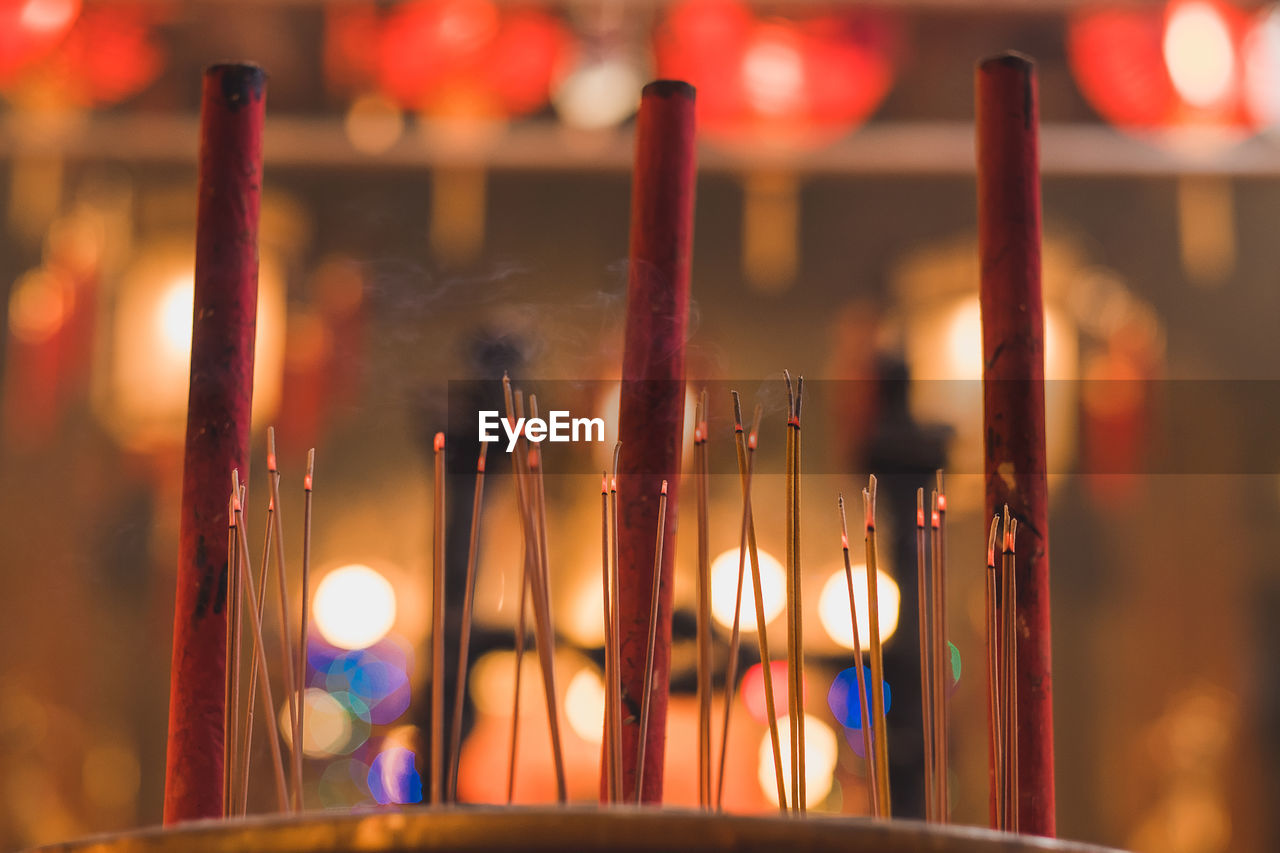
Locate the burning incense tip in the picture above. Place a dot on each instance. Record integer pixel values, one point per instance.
(480, 464)
(1011, 535)
(935, 520)
(604, 484)
(664, 487)
(991, 542)
(844, 540)
(231, 513)
(919, 507)
(613, 484)
(751, 441)
(271, 449)
(439, 442)
(737, 412)
(271, 504)
(698, 435)
(533, 459)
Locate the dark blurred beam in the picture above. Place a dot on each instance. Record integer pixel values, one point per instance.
(891, 148)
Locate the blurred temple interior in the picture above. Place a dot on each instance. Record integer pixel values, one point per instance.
(446, 197)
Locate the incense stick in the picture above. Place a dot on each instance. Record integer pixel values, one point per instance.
(864, 710)
(705, 662)
(880, 732)
(286, 632)
(230, 703)
(795, 614)
(247, 750)
(995, 748)
(647, 694)
(1011, 674)
(544, 624)
(926, 659)
(942, 660)
(437, 626)
(307, 483)
(520, 626)
(615, 641)
(526, 494)
(746, 447)
(246, 579)
(464, 639)
(938, 661)
(606, 751)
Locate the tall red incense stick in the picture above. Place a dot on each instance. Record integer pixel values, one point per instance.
(226, 305)
(652, 409)
(1013, 394)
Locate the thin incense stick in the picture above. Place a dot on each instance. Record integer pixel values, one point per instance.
(464, 639)
(247, 750)
(1011, 675)
(647, 695)
(938, 660)
(995, 747)
(926, 658)
(541, 590)
(746, 447)
(943, 661)
(798, 580)
(864, 709)
(527, 495)
(307, 483)
(520, 625)
(437, 626)
(606, 752)
(705, 662)
(230, 711)
(286, 631)
(615, 637)
(793, 700)
(246, 579)
(881, 735)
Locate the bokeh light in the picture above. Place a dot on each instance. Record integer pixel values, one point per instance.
(584, 704)
(724, 589)
(354, 607)
(328, 725)
(820, 749)
(393, 778)
(753, 691)
(842, 698)
(344, 783)
(1199, 53)
(833, 607)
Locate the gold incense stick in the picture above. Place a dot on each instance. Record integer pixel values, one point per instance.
(464, 639)
(606, 752)
(647, 693)
(705, 662)
(230, 706)
(938, 663)
(286, 632)
(1011, 674)
(246, 579)
(943, 660)
(864, 709)
(793, 700)
(307, 483)
(247, 750)
(615, 641)
(880, 740)
(995, 750)
(437, 626)
(926, 659)
(746, 448)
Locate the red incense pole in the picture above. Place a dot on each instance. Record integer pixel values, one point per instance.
(221, 390)
(1013, 394)
(652, 410)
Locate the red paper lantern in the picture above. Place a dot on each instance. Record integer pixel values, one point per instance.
(30, 30)
(1183, 64)
(470, 58)
(795, 81)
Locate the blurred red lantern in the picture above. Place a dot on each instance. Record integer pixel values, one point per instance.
(30, 30)
(470, 58)
(794, 81)
(1187, 63)
(104, 56)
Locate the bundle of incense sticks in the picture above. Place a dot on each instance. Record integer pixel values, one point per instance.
(534, 585)
(1002, 669)
(246, 601)
(935, 657)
